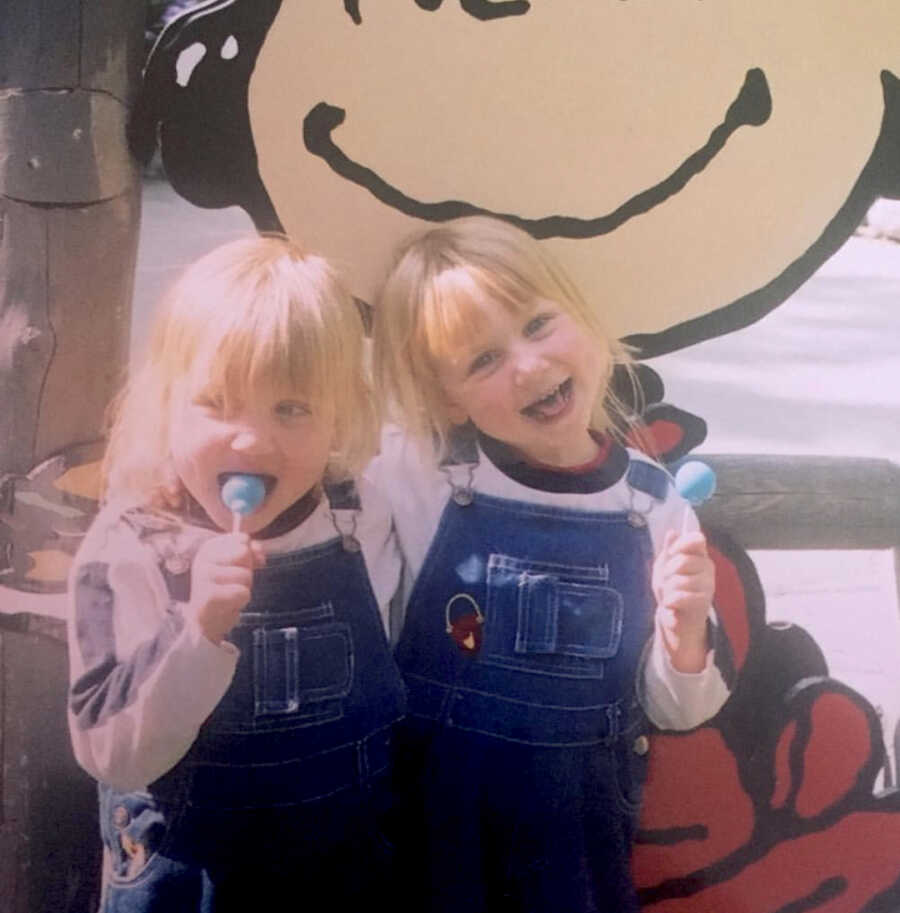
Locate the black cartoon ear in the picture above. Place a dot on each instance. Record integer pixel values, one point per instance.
(638, 388)
(883, 170)
(194, 103)
(668, 433)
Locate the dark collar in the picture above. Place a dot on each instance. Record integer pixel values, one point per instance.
(594, 478)
(290, 518)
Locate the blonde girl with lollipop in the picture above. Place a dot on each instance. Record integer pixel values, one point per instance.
(552, 600)
(232, 687)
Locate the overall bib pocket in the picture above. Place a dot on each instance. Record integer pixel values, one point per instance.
(551, 618)
(298, 671)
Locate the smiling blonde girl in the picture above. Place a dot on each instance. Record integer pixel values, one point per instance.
(552, 601)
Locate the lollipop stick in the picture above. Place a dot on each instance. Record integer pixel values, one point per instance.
(242, 494)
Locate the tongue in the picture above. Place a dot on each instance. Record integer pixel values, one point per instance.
(548, 407)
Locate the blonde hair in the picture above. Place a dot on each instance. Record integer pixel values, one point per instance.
(254, 314)
(428, 306)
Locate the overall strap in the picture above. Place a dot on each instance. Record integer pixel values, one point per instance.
(649, 484)
(343, 499)
(459, 463)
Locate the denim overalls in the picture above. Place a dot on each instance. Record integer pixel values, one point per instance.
(286, 779)
(524, 741)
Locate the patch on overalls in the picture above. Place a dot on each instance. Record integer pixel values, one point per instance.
(465, 622)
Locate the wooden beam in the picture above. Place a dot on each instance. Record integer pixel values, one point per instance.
(800, 502)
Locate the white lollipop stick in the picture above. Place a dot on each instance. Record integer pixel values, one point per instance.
(696, 483)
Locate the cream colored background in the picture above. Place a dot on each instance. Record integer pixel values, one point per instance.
(572, 109)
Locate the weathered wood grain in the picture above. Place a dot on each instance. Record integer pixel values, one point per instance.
(26, 337)
(785, 502)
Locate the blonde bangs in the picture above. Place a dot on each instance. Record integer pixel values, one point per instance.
(254, 317)
(266, 351)
(452, 313)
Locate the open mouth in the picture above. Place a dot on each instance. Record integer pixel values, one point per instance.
(552, 405)
(751, 107)
(269, 481)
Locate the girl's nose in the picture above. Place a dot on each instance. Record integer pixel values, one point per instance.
(528, 365)
(250, 437)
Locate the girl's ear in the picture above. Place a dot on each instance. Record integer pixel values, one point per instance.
(455, 412)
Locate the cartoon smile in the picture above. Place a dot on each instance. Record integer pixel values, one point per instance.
(751, 107)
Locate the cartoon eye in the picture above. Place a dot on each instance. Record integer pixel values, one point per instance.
(480, 9)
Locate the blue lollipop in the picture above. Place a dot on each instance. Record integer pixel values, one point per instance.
(696, 483)
(242, 494)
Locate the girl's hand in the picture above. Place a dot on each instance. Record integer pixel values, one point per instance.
(221, 578)
(683, 584)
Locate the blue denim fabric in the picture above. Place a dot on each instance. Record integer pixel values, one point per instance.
(315, 693)
(299, 747)
(520, 753)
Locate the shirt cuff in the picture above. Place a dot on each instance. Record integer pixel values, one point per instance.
(679, 700)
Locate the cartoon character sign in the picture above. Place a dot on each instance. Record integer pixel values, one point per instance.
(691, 163)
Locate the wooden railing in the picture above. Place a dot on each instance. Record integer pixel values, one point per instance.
(794, 502)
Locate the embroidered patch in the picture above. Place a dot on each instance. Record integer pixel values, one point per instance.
(465, 622)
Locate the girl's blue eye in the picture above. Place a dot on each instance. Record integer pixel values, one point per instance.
(537, 323)
(482, 361)
(289, 408)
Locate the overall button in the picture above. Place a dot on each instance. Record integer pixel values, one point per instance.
(120, 816)
(641, 745)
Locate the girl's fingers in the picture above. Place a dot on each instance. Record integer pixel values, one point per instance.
(686, 566)
(259, 556)
(230, 548)
(687, 583)
(690, 544)
(224, 575)
(235, 595)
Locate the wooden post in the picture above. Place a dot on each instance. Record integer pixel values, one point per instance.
(69, 207)
(69, 211)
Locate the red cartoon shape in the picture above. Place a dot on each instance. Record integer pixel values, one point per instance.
(770, 807)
